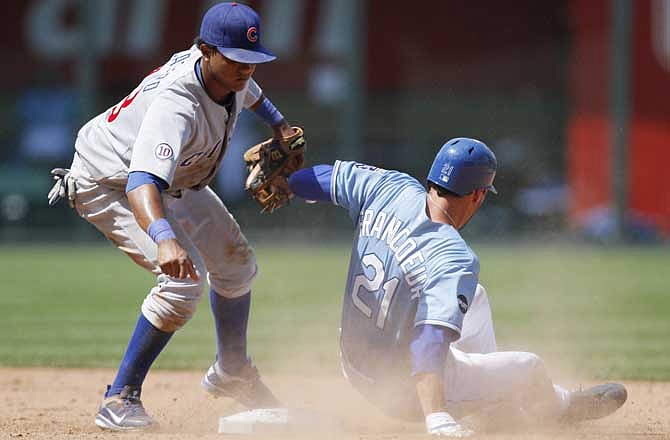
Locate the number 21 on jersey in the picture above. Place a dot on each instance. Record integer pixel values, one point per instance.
(371, 261)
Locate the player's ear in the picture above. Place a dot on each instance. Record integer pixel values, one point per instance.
(205, 50)
(484, 192)
(478, 194)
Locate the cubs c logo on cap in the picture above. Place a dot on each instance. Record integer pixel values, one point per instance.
(252, 34)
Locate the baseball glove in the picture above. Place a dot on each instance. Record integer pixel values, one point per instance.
(270, 163)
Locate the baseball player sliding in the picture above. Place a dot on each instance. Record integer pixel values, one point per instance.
(140, 175)
(417, 338)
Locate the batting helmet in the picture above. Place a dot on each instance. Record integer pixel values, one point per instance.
(463, 165)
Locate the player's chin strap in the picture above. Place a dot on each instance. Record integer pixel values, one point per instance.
(65, 186)
(435, 204)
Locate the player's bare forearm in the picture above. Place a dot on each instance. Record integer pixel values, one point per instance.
(430, 388)
(145, 201)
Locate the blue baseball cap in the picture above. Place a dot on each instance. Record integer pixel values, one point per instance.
(234, 29)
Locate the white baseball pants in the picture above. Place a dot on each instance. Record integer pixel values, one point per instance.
(204, 228)
(479, 379)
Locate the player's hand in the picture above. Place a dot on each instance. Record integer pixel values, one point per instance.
(442, 424)
(64, 188)
(283, 131)
(174, 260)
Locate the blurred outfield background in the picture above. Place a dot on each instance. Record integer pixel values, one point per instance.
(589, 312)
(570, 94)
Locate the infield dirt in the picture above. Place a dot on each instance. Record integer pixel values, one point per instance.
(39, 403)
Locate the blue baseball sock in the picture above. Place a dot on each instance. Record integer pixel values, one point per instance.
(231, 316)
(144, 347)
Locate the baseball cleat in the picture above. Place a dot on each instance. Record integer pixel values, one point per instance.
(124, 412)
(246, 387)
(595, 402)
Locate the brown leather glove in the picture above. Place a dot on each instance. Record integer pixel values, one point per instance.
(270, 164)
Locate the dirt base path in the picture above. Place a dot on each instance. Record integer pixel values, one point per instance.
(42, 403)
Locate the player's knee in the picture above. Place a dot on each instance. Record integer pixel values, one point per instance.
(237, 284)
(481, 291)
(531, 361)
(534, 366)
(171, 304)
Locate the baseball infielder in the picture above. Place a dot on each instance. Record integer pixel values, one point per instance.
(417, 337)
(141, 175)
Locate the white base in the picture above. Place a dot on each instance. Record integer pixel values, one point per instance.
(270, 420)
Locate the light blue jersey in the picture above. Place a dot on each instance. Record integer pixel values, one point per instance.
(405, 269)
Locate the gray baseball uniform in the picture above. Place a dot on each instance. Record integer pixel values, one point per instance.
(168, 126)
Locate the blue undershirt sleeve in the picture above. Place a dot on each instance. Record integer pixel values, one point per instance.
(269, 113)
(312, 183)
(139, 178)
(429, 348)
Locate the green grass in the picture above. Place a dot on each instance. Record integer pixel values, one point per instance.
(602, 312)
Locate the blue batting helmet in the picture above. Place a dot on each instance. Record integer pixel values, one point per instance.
(463, 165)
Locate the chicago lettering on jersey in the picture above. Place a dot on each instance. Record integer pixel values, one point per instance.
(389, 230)
(193, 158)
